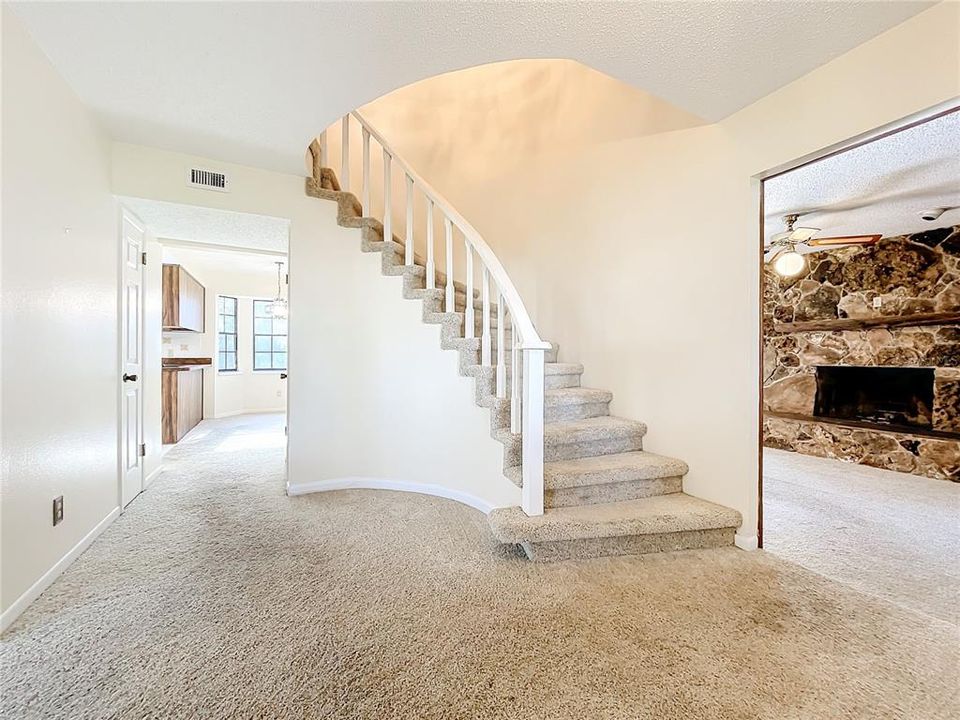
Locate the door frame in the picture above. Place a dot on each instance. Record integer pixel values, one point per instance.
(125, 215)
(918, 118)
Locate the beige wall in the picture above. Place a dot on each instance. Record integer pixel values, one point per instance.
(59, 387)
(617, 239)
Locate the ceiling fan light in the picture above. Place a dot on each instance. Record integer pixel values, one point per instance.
(789, 263)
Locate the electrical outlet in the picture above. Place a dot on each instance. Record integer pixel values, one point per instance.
(58, 510)
(877, 302)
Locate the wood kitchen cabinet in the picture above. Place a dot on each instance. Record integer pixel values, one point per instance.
(182, 398)
(183, 300)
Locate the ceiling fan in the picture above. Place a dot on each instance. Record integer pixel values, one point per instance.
(783, 246)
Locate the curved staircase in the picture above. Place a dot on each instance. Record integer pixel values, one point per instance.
(602, 494)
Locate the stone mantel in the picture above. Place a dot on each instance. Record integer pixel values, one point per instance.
(913, 320)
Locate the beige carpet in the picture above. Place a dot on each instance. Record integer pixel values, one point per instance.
(215, 596)
(885, 533)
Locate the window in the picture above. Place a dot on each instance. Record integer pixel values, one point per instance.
(269, 338)
(226, 333)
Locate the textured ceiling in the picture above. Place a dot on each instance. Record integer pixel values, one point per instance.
(252, 82)
(247, 263)
(213, 227)
(880, 187)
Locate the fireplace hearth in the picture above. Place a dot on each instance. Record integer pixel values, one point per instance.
(894, 398)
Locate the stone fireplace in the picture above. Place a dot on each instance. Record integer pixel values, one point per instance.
(862, 355)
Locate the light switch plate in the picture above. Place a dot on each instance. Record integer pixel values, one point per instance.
(58, 510)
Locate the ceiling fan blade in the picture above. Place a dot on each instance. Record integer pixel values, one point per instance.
(844, 240)
(802, 234)
(780, 236)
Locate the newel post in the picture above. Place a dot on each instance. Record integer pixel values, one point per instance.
(531, 497)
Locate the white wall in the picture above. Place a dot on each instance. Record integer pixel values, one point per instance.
(386, 403)
(638, 251)
(60, 392)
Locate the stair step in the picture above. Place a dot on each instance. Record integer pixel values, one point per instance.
(561, 375)
(615, 468)
(575, 403)
(607, 478)
(654, 524)
(591, 436)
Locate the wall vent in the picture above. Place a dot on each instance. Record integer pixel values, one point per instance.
(208, 179)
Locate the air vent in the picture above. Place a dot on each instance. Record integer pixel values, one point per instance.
(208, 180)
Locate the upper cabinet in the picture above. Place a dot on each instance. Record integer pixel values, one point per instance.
(182, 300)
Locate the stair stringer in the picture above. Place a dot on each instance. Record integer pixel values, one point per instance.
(393, 412)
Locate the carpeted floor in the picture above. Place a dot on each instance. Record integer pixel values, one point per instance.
(216, 596)
(885, 533)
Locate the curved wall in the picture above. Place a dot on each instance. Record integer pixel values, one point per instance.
(635, 244)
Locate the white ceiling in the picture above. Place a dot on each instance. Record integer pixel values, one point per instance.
(880, 187)
(245, 263)
(252, 82)
(214, 227)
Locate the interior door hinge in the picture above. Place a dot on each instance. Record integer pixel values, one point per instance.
(287, 279)
(143, 449)
(143, 258)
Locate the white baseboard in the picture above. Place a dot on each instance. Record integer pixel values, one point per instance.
(234, 413)
(362, 483)
(745, 542)
(152, 476)
(36, 590)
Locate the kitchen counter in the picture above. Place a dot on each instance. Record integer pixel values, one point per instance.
(184, 363)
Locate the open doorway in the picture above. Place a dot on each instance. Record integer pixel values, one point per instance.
(213, 318)
(860, 461)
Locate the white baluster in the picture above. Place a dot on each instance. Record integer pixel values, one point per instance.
(408, 240)
(431, 270)
(515, 384)
(501, 350)
(345, 153)
(387, 201)
(365, 193)
(468, 329)
(448, 235)
(531, 492)
(485, 330)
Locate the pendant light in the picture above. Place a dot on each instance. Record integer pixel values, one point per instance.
(278, 308)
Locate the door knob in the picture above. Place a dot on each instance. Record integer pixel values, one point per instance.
(129, 378)
(283, 376)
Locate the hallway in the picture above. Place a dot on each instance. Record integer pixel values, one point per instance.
(217, 596)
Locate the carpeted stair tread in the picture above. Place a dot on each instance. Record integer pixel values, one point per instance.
(557, 397)
(559, 368)
(588, 429)
(619, 467)
(672, 513)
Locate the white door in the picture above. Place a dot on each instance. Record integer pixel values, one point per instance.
(131, 361)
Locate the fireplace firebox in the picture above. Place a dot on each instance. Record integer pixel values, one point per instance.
(896, 398)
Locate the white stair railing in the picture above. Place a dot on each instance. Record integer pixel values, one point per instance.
(527, 358)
